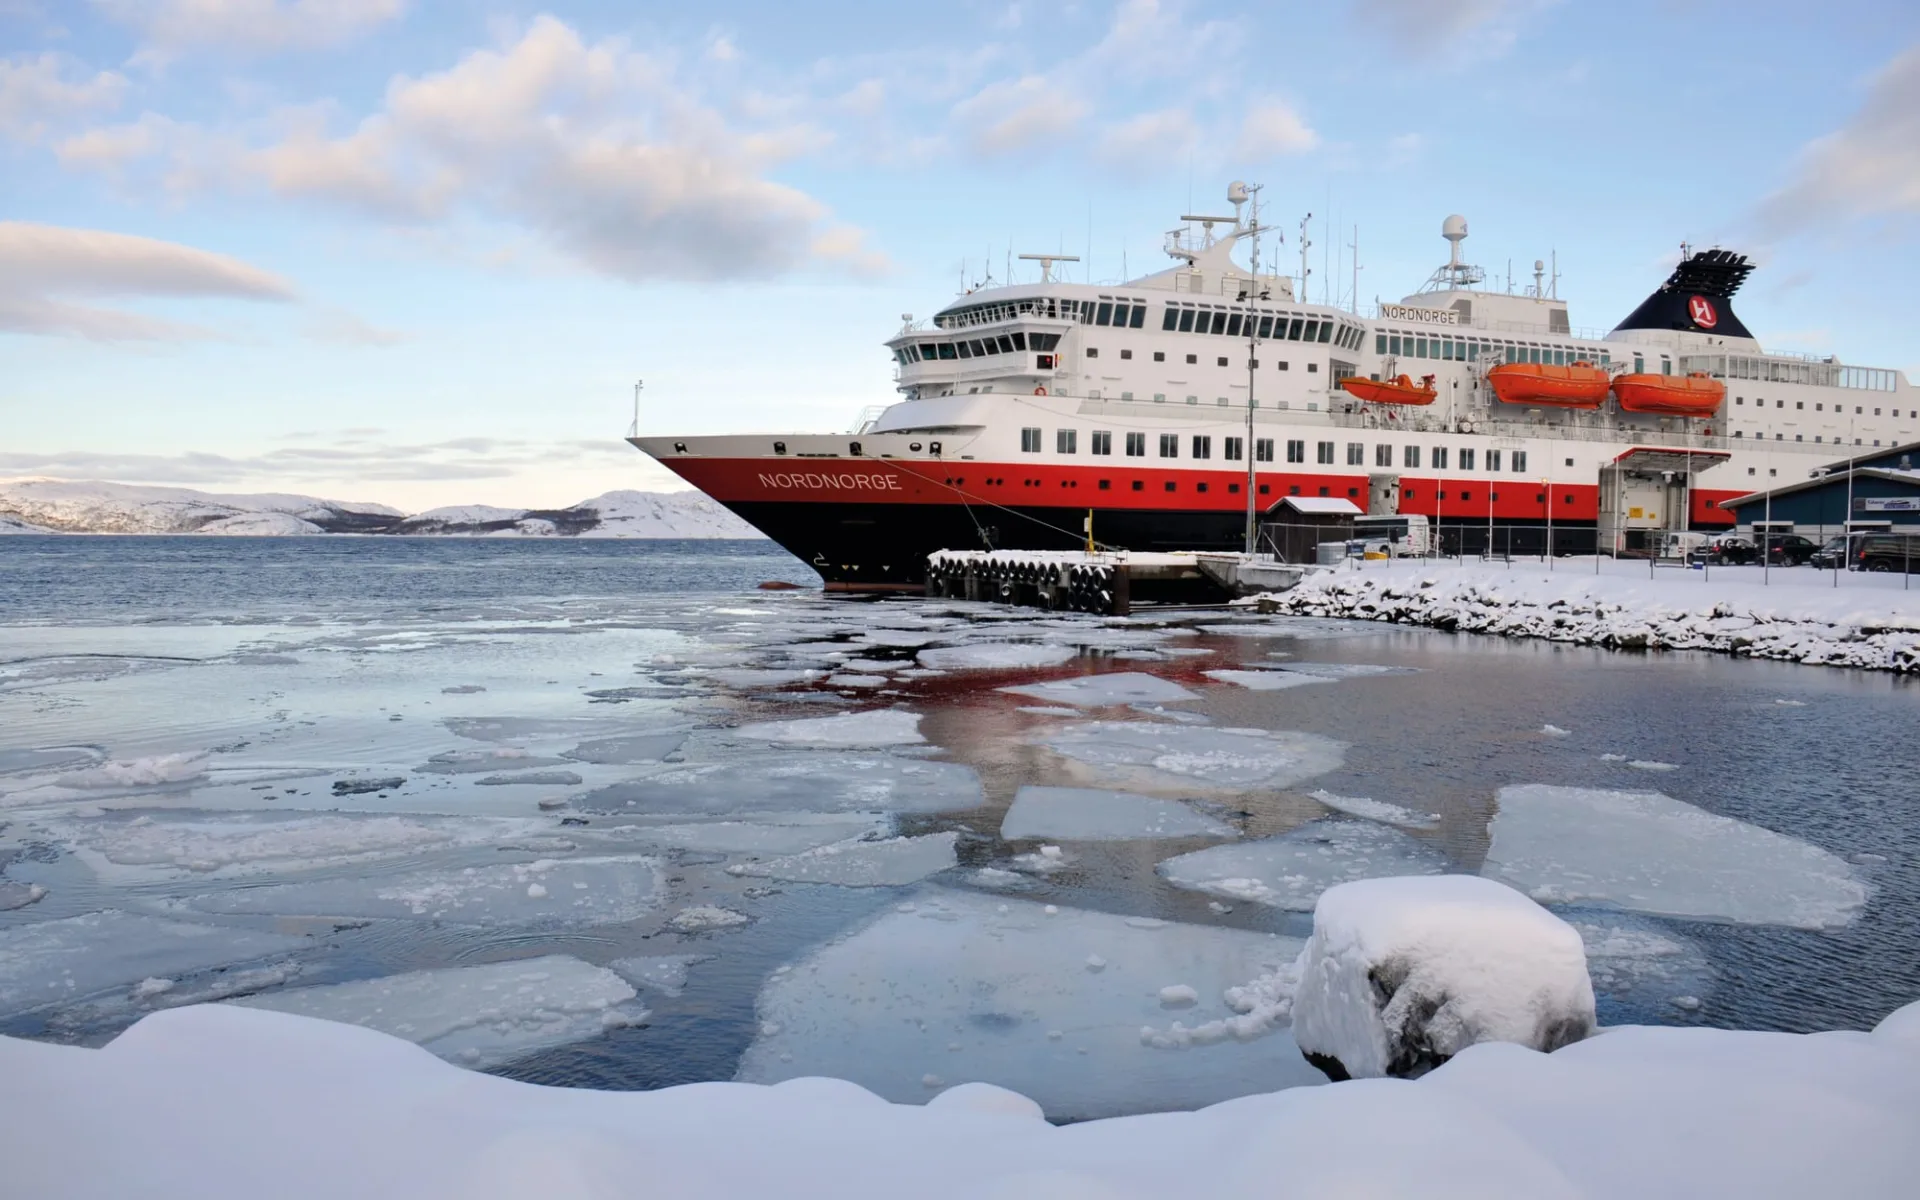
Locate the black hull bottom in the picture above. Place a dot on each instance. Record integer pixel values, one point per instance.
(884, 547)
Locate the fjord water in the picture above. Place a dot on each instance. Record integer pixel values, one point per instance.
(281, 772)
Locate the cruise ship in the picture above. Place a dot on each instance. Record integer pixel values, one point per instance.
(1144, 415)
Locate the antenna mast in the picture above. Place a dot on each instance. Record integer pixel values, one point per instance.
(1251, 194)
(1305, 270)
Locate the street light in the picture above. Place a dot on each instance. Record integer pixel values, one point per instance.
(1547, 483)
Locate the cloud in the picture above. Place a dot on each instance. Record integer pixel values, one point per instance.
(171, 27)
(1430, 25)
(40, 91)
(1018, 116)
(42, 267)
(1869, 167)
(344, 329)
(604, 152)
(1273, 128)
(1147, 142)
(339, 464)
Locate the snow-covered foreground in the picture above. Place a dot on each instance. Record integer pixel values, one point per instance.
(217, 1101)
(1797, 614)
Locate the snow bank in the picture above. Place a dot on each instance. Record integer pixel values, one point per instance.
(1650, 853)
(309, 1110)
(1402, 974)
(1858, 624)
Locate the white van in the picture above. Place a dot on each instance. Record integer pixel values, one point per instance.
(1397, 535)
(1679, 543)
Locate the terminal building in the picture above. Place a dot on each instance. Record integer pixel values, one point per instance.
(1867, 493)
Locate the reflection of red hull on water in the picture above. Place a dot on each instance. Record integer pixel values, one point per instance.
(1393, 391)
(1579, 385)
(1694, 395)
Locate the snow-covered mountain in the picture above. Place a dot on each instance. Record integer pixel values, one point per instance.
(91, 506)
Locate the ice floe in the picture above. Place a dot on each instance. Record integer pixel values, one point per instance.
(662, 973)
(806, 781)
(1647, 852)
(1341, 670)
(1377, 810)
(1264, 681)
(1292, 870)
(571, 891)
(884, 1006)
(479, 1017)
(996, 656)
(769, 833)
(634, 748)
(1093, 814)
(1154, 754)
(871, 728)
(706, 918)
(1098, 691)
(71, 958)
(885, 863)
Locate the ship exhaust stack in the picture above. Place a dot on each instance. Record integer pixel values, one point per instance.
(1697, 297)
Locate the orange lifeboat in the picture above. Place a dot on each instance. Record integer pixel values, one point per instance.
(1392, 391)
(1580, 385)
(1695, 395)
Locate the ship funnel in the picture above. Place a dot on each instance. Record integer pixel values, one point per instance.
(1697, 297)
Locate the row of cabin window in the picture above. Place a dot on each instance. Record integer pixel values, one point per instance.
(1179, 319)
(1050, 307)
(1067, 441)
(1819, 406)
(1801, 437)
(1448, 349)
(1017, 342)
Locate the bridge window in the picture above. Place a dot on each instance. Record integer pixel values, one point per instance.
(1186, 320)
(1136, 445)
(1169, 445)
(1030, 441)
(1263, 452)
(1202, 446)
(1104, 314)
(1139, 317)
(1293, 330)
(1233, 325)
(1266, 326)
(1066, 441)
(1170, 320)
(1233, 448)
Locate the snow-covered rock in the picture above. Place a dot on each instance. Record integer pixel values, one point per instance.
(1792, 615)
(1402, 974)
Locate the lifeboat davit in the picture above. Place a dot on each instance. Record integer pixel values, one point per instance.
(1392, 391)
(1695, 395)
(1579, 385)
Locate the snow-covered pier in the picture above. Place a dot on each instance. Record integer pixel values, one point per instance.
(1790, 614)
(1105, 583)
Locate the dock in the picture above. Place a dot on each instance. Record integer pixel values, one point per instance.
(1106, 583)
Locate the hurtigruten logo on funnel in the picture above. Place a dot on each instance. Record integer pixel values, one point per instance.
(1702, 312)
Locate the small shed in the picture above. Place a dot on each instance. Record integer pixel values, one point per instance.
(1295, 527)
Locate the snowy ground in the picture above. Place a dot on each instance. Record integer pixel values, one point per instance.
(759, 836)
(1796, 614)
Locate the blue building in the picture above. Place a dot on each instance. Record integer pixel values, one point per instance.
(1873, 491)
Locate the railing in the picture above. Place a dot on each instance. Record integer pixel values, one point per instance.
(867, 417)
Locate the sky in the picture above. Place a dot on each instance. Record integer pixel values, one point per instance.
(420, 253)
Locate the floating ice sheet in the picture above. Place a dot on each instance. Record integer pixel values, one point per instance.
(663, 973)
(887, 863)
(572, 891)
(751, 677)
(806, 781)
(635, 748)
(770, 833)
(1154, 754)
(873, 727)
(996, 656)
(1291, 870)
(1338, 670)
(1634, 960)
(1647, 852)
(1093, 814)
(475, 1016)
(1377, 810)
(958, 987)
(1264, 681)
(1095, 691)
(479, 762)
(60, 961)
(176, 845)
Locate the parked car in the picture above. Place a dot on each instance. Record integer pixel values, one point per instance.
(1729, 549)
(1789, 549)
(1888, 552)
(1832, 555)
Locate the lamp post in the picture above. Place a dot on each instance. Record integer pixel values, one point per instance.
(1547, 483)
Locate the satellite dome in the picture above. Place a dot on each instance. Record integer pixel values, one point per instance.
(1454, 227)
(1236, 192)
